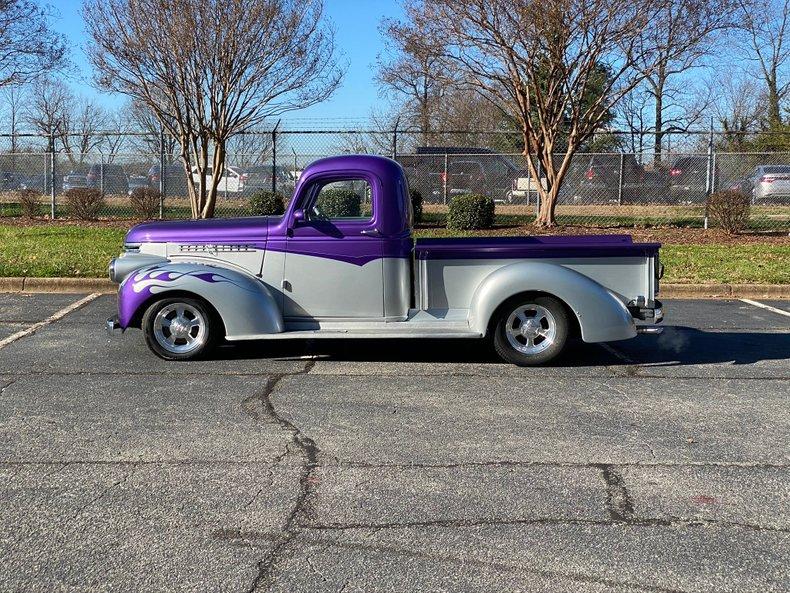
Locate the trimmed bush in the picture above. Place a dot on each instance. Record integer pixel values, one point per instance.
(729, 210)
(145, 202)
(339, 203)
(84, 203)
(267, 203)
(416, 205)
(29, 202)
(469, 212)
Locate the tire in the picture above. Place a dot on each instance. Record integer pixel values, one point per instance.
(520, 340)
(197, 331)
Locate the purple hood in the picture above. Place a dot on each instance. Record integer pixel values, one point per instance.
(215, 230)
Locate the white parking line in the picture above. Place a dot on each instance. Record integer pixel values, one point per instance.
(764, 306)
(615, 352)
(51, 319)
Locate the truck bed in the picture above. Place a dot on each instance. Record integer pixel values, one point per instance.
(548, 246)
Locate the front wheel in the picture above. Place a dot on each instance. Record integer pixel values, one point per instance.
(530, 330)
(179, 328)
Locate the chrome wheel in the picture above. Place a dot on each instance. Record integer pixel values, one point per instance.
(531, 329)
(180, 328)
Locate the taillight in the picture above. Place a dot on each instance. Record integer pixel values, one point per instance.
(590, 174)
(767, 179)
(675, 172)
(443, 176)
(243, 177)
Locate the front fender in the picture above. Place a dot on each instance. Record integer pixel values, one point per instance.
(245, 305)
(602, 316)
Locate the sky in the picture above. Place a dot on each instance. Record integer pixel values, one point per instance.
(357, 37)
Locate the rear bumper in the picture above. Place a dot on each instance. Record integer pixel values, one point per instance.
(654, 314)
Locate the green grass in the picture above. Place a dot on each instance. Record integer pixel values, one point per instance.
(52, 251)
(49, 251)
(727, 264)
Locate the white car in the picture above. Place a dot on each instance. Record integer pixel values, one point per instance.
(231, 182)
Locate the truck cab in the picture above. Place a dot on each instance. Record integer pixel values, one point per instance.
(342, 263)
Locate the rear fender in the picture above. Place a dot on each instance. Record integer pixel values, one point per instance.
(602, 316)
(245, 305)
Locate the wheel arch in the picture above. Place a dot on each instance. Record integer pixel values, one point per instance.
(243, 304)
(600, 315)
(574, 328)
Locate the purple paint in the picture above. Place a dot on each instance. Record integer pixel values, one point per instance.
(387, 234)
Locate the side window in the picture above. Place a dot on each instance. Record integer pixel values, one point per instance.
(349, 199)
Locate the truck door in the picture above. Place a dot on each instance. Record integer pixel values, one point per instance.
(333, 261)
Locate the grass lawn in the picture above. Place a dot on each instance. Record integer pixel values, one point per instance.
(51, 250)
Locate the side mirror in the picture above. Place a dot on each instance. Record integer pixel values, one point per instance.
(299, 216)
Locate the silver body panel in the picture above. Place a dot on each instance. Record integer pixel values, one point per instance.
(274, 295)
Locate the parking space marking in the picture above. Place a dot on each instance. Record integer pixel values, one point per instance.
(764, 306)
(51, 319)
(614, 352)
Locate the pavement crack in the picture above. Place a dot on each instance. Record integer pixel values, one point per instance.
(6, 386)
(301, 445)
(618, 500)
(103, 493)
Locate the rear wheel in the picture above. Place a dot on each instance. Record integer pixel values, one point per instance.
(180, 328)
(530, 330)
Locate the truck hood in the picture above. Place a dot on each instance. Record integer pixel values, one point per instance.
(219, 230)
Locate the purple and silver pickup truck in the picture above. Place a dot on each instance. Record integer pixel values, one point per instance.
(342, 263)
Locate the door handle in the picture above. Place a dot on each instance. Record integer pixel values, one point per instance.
(371, 233)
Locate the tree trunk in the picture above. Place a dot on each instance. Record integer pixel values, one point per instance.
(659, 119)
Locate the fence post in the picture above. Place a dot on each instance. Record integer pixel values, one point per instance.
(395, 140)
(445, 178)
(101, 174)
(274, 156)
(708, 174)
(52, 172)
(162, 174)
(620, 181)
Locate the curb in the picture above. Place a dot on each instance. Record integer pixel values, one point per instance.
(668, 291)
(58, 285)
(725, 291)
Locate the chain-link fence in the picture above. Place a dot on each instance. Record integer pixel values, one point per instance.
(604, 189)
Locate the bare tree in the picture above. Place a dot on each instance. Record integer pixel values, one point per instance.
(28, 47)
(83, 121)
(411, 68)
(541, 62)
(738, 108)
(209, 69)
(681, 36)
(48, 101)
(13, 98)
(118, 125)
(633, 113)
(765, 26)
(144, 122)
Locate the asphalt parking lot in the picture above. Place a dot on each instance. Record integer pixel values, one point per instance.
(657, 464)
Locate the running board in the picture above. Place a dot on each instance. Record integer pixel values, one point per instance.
(383, 334)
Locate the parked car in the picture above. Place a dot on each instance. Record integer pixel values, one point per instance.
(75, 181)
(36, 183)
(259, 177)
(108, 178)
(470, 169)
(768, 184)
(175, 179)
(8, 181)
(304, 274)
(688, 179)
(136, 182)
(596, 179)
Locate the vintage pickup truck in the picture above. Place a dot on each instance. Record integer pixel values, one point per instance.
(320, 272)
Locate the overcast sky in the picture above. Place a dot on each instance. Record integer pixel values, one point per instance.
(356, 24)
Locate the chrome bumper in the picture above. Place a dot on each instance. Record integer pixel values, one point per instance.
(113, 326)
(649, 329)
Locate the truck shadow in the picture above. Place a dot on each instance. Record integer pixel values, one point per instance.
(677, 346)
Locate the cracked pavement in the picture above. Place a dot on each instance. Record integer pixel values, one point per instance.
(395, 466)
